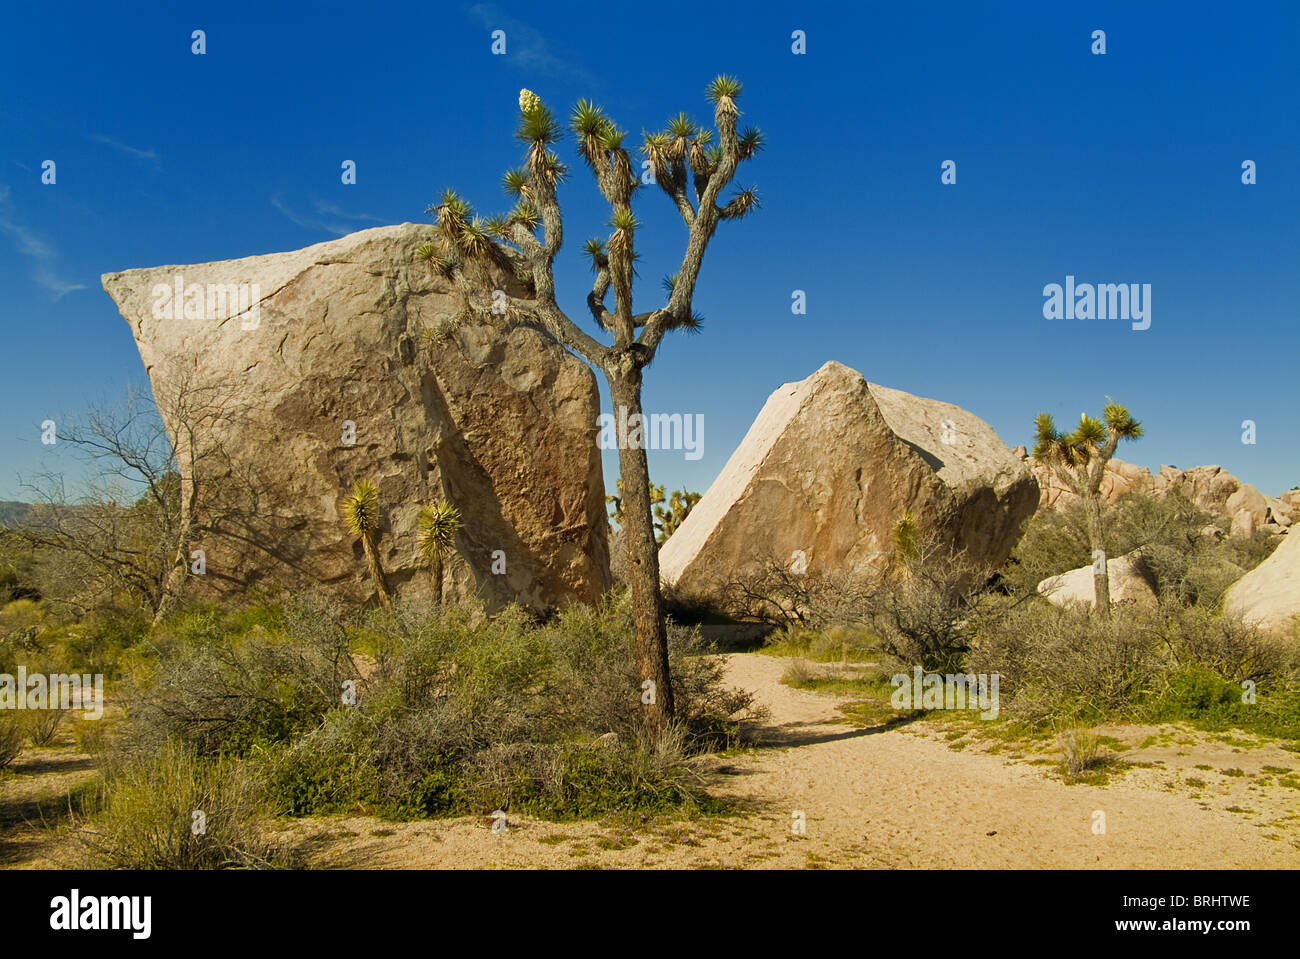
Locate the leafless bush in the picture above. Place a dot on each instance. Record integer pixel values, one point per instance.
(12, 738)
(44, 725)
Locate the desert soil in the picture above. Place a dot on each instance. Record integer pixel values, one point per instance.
(927, 794)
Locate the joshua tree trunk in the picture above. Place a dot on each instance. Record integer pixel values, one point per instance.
(435, 572)
(376, 571)
(642, 558)
(1097, 542)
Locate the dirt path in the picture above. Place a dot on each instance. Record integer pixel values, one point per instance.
(905, 797)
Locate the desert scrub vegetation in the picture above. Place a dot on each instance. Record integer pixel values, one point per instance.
(446, 713)
(1184, 549)
(1181, 661)
(1171, 664)
(175, 810)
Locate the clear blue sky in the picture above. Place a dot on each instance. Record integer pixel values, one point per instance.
(1117, 168)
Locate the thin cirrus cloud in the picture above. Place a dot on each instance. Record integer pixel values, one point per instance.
(41, 254)
(326, 217)
(526, 47)
(150, 154)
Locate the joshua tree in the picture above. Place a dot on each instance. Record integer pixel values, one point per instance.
(680, 505)
(361, 513)
(437, 526)
(656, 497)
(692, 170)
(1079, 459)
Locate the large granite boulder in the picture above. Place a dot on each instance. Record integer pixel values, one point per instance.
(1269, 595)
(1130, 582)
(830, 465)
(324, 375)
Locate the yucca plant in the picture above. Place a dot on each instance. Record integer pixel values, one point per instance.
(361, 511)
(437, 527)
(692, 164)
(1079, 460)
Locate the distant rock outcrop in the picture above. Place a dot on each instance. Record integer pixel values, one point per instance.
(334, 381)
(830, 465)
(1269, 595)
(1208, 487)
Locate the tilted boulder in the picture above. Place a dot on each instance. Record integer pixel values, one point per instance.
(325, 376)
(1269, 595)
(830, 465)
(1129, 579)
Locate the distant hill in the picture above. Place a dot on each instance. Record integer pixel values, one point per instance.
(13, 513)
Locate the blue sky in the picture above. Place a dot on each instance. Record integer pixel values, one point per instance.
(1122, 168)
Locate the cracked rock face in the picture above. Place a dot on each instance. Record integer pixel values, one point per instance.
(829, 466)
(326, 377)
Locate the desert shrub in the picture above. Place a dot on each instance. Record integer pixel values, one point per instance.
(798, 673)
(462, 716)
(13, 735)
(43, 725)
(1221, 644)
(1065, 665)
(97, 644)
(1169, 664)
(1053, 542)
(91, 735)
(1081, 751)
(224, 683)
(840, 643)
(148, 818)
(776, 592)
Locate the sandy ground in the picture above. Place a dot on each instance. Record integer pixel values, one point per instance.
(923, 795)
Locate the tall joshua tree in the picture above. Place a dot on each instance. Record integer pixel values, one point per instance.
(692, 165)
(1079, 460)
(361, 513)
(437, 527)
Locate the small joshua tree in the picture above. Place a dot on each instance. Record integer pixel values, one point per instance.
(361, 513)
(666, 520)
(1079, 460)
(692, 165)
(437, 528)
(680, 505)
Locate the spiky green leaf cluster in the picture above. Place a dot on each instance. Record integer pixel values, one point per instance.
(361, 508)
(436, 529)
(723, 87)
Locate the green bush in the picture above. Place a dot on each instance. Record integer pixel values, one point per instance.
(225, 683)
(461, 717)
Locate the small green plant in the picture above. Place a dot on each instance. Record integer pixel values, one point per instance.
(361, 512)
(437, 527)
(1081, 751)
